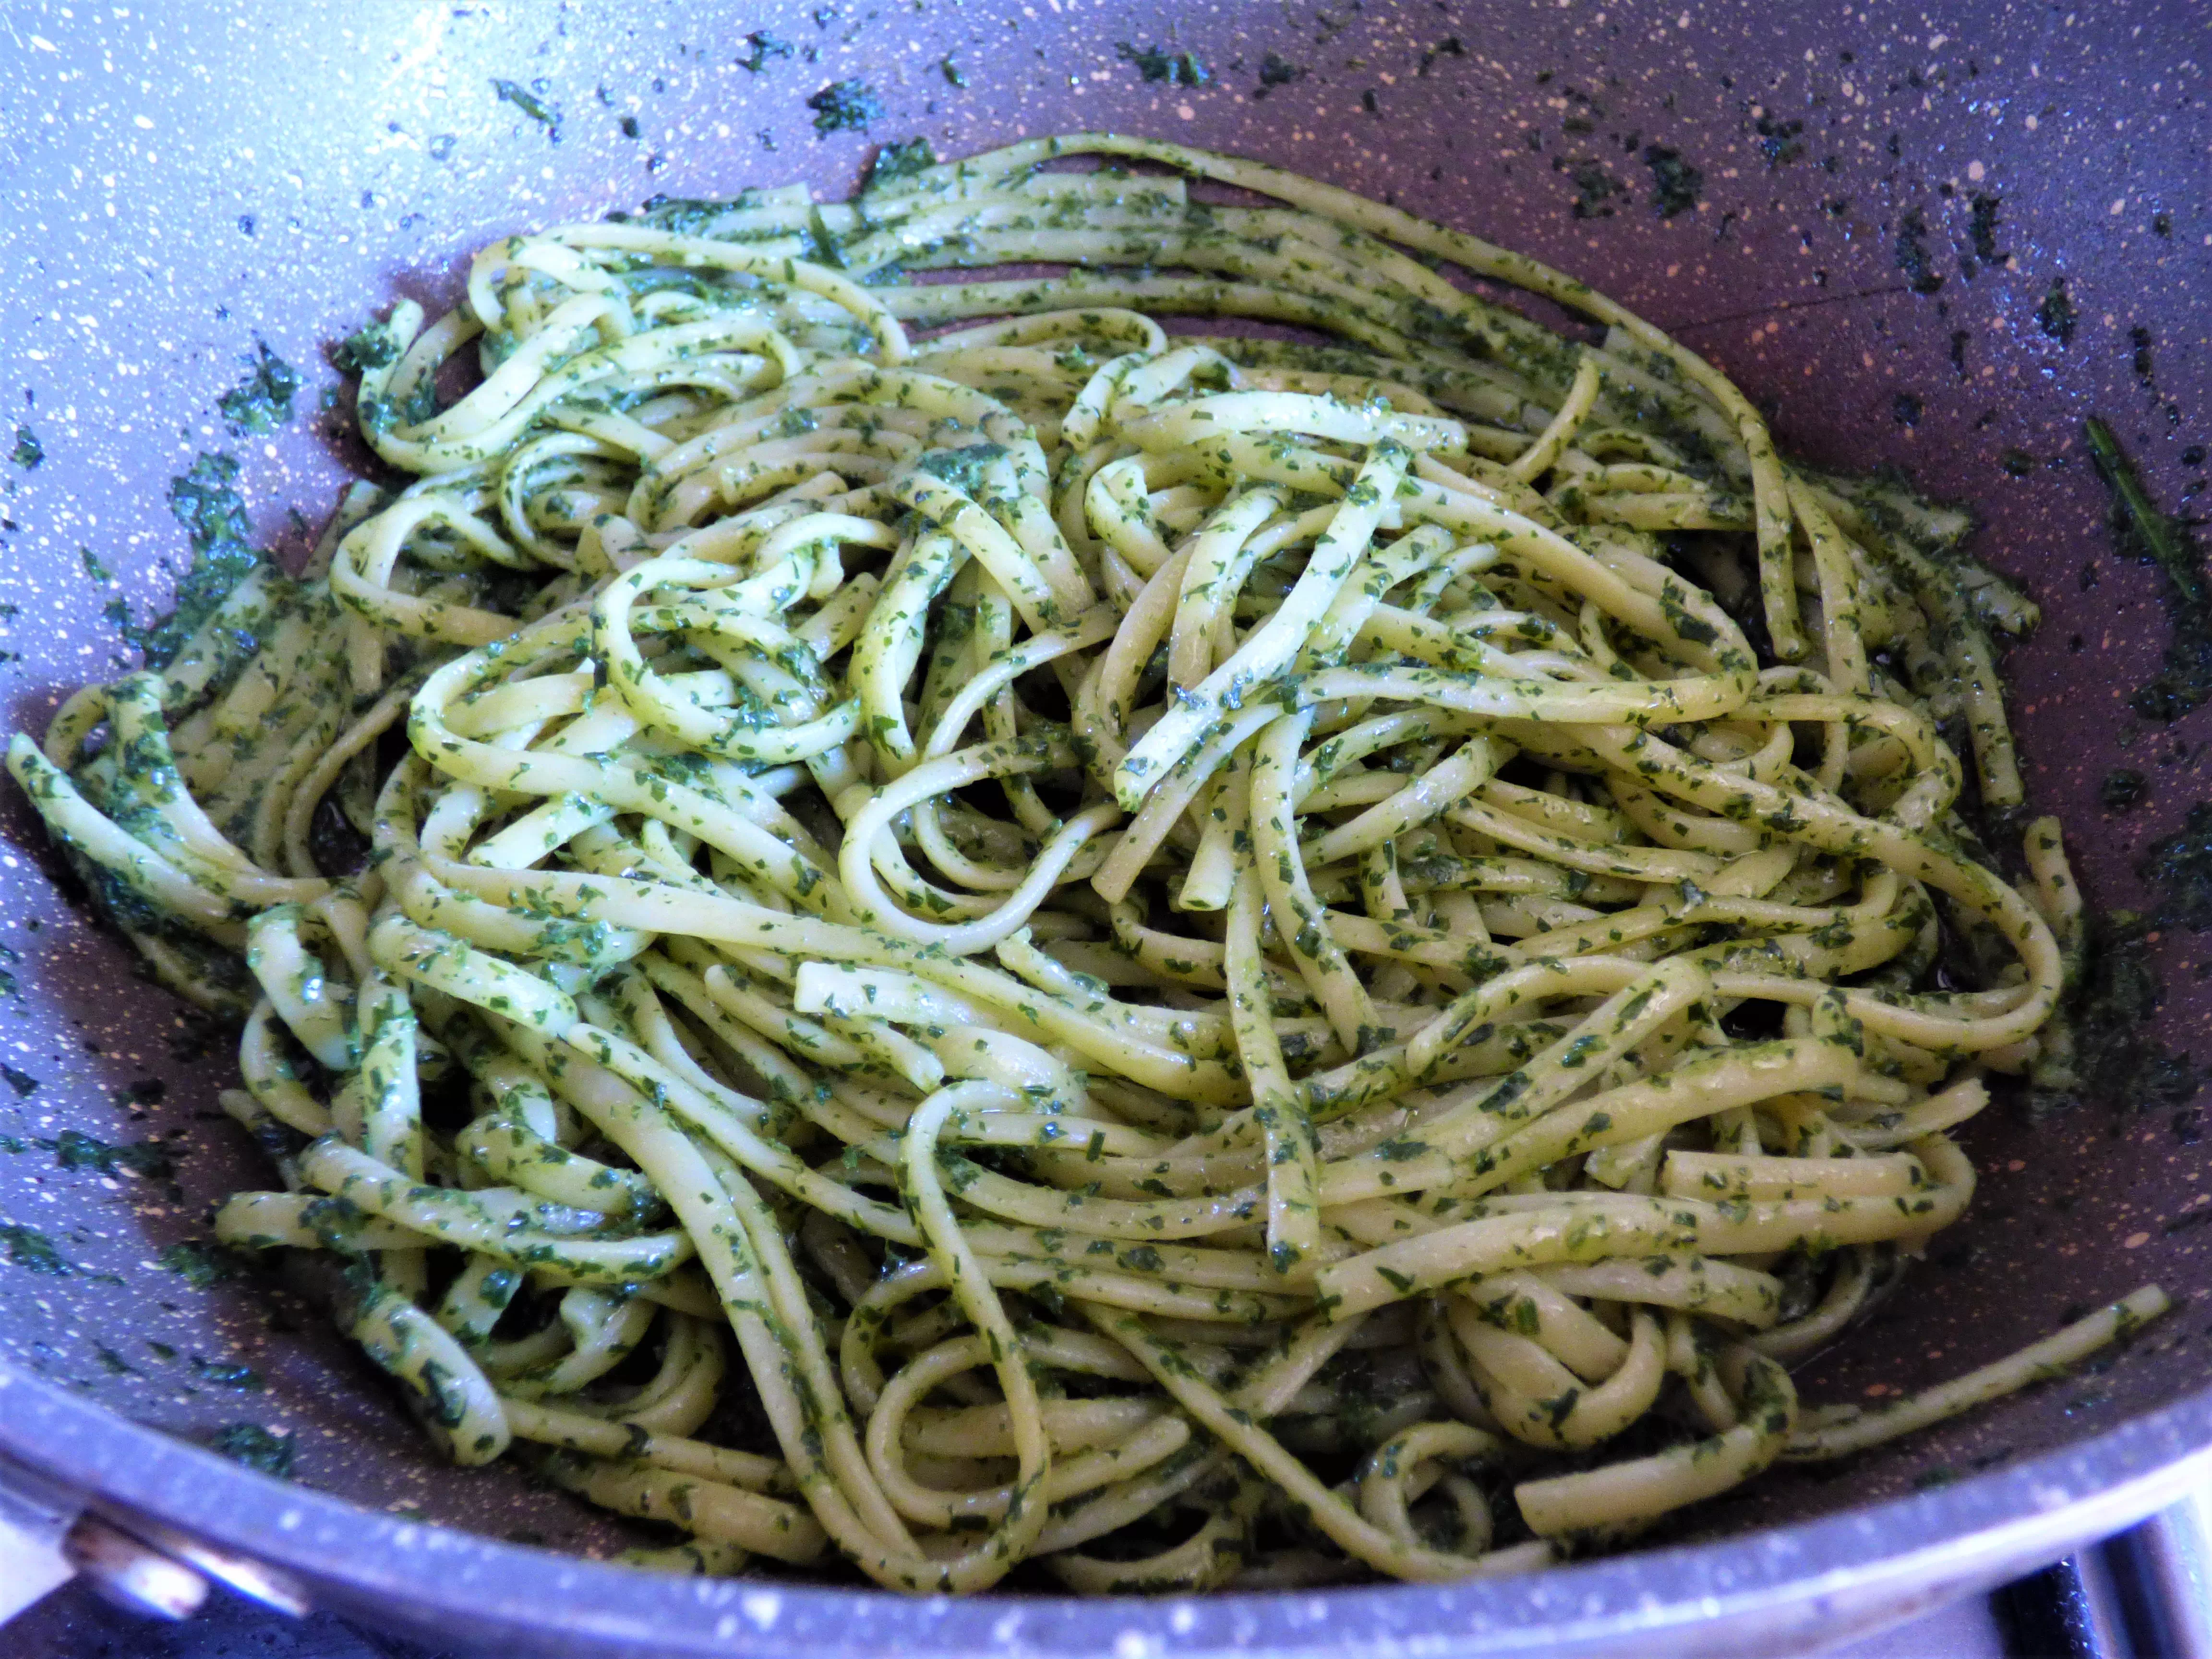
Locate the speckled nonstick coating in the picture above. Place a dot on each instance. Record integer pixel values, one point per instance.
(183, 180)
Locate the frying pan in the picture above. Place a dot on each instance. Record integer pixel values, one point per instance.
(188, 181)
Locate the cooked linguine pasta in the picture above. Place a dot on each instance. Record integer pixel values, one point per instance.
(1228, 956)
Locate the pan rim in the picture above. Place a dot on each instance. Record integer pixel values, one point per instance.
(1814, 1582)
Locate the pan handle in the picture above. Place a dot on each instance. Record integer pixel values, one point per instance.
(2161, 1573)
(48, 1537)
(35, 1519)
(2142, 1594)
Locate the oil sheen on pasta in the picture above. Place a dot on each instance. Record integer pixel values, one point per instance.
(1199, 957)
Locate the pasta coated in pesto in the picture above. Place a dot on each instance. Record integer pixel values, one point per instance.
(1212, 957)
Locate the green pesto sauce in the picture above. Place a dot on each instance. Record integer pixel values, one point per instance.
(372, 347)
(532, 101)
(261, 401)
(2122, 790)
(2144, 531)
(962, 468)
(1779, 140)
(1982, 228)
(845, 107)
(1178, 68)
(1595, 188)
(2055, 316)
(2178, 868)
(1674, 183)
(75, 1149)
(199, 1264)
(206, 502)
(223, 1375)
(901, 159)
(256, 1446)
(2117, 1062)
(765, 48)
(1909, 251)
(29, 1247)
(2120, 990)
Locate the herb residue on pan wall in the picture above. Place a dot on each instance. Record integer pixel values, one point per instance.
(2108, 1055)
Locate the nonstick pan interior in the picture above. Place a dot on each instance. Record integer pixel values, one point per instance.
(1886, 202)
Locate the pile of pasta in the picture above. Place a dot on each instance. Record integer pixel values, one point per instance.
(994, 935)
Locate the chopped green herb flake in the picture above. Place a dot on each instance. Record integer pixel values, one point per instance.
(845, 107)
(1910, 252)
(765, 48)
(373, 347)
(902, 160)
(1779, 140)
(255, 1447)
(1276, 70)
(75, 1149)
(206, 502)
(261, 401)
(1594, 189)
(2142, 529)
(2055, 316)
(1981, 226)
(225, 1376)
(29, 1247)
(2123, 789)
(1177, 69)
(1675, 183)
(532, 101)
(199, 1264)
